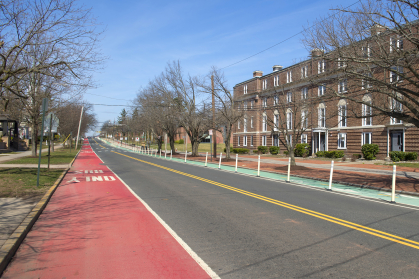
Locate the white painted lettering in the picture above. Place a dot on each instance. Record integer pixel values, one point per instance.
(97, 178)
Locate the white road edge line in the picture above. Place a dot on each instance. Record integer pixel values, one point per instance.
(185, 246)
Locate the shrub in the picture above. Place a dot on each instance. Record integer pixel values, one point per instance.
(231, 149)
(355, 157)
(286, 152)
(397, 156)
(240, 150)
(263, 149)
(274, 150)
(181, 141)
(320, 153)
(302, 149)
(369, 151)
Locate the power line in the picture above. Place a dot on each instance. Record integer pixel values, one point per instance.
(283, 41)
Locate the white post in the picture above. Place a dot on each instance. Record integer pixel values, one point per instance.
(289, 169)
(331, 175)
(237, 156)
(186, 152)
(219, 164)
(258, 165)
(206, 159)
(393, 185)
(78, 131)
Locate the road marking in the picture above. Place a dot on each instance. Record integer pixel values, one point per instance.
(371, 231)
(99, 178)
(74, 180)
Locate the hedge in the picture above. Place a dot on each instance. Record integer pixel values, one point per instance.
(237, 150)
(302, 149)
(263, 149)
(331, 154)
(397, 156)
(274, 150)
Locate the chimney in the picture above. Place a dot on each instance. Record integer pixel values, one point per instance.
(316, 52)
(257, 73)
(276, 68)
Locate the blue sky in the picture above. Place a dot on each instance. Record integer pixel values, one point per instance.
(141, 37)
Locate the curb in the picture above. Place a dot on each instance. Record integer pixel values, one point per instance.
(9, 248)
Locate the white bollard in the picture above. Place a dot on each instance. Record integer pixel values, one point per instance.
(258, 165)
(186, 153)
(219, 164)
(206, 159)
(289, 169)
(331, 175)
(393, 186)
(237, 156)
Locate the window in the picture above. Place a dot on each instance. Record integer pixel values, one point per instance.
(304, 138)
(366, 138)
(322, 90)
(342, 86)
(245, 125)
(276, 100)
(341, 63)
(289, 76)
(238, 141)
(395, 74)
(341, 141)
(366, 52)
(321, 66)
(263, 140)
(304, 71)
(342, 113)
(264, 124)
(396, 107)
(245, 141)
(245, 89)
(289, 120)
(366, 111)
(322, 116)
(265, 102)
(251, 122)
(396, 44)
(289, 97)
(245, 105)
(252, 102)
(251, 140)
(366, 83)
(304, 119)
(276, 122)
(264, 84)
(238, 124)
(276, 80)
(304, 93)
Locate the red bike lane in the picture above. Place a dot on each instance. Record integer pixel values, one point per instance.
(94, 227)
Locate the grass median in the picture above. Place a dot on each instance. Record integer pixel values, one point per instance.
(59, 156)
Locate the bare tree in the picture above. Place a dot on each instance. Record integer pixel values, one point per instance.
(227, 114)
(69, 116)
(62, 30)
(194, 113)
(375, 47)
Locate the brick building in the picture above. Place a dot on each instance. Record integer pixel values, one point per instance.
(315, 94)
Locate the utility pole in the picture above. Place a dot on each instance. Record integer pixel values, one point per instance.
(214, 132)
(78, 132)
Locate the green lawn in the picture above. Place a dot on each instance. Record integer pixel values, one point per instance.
(59, 156)
(17, 182)
(410, 165)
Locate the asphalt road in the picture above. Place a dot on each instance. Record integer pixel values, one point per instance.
(248, 227)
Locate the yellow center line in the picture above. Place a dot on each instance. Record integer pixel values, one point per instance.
(371, 231)
(99, 144)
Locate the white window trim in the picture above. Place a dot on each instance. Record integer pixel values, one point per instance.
(264, 141)
(251, 122)
(245, 125)
(245, 89)
(322, 119)
(264, 123)
(238, 125)
(304, 136)
(363, 138)
(304, 93)
(339, 141)
(364, 113)
(340, 116)
(238, 141)
(244, 140)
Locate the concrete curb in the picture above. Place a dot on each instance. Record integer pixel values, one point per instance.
(9, 248)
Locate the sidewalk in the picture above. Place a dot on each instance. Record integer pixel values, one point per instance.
(97, 228)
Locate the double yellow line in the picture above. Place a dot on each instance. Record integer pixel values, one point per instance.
(371, 231)
(99, 144)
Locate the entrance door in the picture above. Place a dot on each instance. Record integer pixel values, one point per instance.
(319, 141)
(322, 141)
(276, 140)
(397, 141)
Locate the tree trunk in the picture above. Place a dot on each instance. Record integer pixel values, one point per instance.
(195, 145)
(227, 143)
(291, 154)
(34, 134)
(172, 144)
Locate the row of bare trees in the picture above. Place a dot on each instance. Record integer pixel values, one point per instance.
(48, 49)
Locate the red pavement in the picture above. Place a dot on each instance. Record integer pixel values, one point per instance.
(99, 229)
